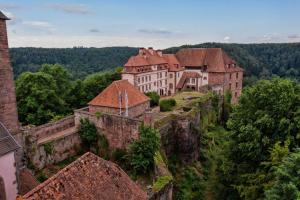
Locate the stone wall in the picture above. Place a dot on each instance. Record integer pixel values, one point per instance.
(8, 107)
(133, 112)
(51, 143)
(166, 193)
(179, 137)
(119, 131)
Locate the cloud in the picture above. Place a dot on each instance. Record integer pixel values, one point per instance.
(94, 30)
(155, 31)
(294, 36)
(71, 8)
(226, 39)
(40, 25)
(96, 40)
(9, 6)
(43, 24)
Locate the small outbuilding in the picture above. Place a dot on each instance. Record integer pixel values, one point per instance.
(120, 98)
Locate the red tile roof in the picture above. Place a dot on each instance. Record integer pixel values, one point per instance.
(185, 76)
(144, 58)
(215, 59)
(26, 181)
(110, 96)
(89, 177)
(173, 63)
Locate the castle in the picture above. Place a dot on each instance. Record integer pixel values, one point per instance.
(189, 68)
(122, 107)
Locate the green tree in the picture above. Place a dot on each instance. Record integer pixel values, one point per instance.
(88, 133)
(142, 151)
(37, 98)
(287, 182)
(267, 112)
(61, 76)
(154, 98)
(96, 83)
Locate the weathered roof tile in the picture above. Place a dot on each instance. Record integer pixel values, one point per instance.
(89, 177)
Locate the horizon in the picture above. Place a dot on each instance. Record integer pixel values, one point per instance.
(77, 23)
(262, 43)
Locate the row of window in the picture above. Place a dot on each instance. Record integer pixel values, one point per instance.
(236, 75)
(147, 78)
(171, 75)
(236, 85)
(148, 86)
(144, 79)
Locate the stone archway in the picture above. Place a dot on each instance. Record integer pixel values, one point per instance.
(2, 189)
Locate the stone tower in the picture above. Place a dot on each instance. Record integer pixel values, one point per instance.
(8, 105)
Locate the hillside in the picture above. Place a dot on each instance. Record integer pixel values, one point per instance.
(79, 61)
(258, 60)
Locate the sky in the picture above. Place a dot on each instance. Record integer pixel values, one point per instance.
(155, 23)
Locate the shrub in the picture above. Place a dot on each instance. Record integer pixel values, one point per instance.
(154, 98)
(49, 148)
(142, 151)
(88, 133)
(167, 105)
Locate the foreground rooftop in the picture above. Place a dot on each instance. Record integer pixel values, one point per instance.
(89, 177)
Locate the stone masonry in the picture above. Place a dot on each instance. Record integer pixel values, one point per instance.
(8, 107)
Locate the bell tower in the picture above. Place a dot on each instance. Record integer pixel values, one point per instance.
(8, 105)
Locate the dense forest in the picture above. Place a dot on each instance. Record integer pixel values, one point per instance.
(80, 62)
(258, 60)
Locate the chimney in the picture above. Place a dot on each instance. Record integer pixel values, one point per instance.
(141, 51)
(159, 52)
(150, 49)
(8, 104)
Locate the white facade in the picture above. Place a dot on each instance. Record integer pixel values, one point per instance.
(8, 174)
(155, 80)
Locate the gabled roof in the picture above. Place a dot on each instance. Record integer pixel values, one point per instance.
(111, 96)
(7, 142)
(215, 59)
(185, 76)
(89, 177)
(146, 57)
(173, 63)
(3, 17)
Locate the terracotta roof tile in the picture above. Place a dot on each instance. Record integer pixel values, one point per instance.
(89, 177)
(145, 58)
(173, 62)
(110, 96)
(185, 76)
(26, 181)
(215, 59)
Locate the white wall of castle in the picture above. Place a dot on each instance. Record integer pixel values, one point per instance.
(8, 174)
(156, 80)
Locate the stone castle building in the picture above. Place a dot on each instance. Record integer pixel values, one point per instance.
(9, 124)
(120, 98)
(189, 68)
(8, 105)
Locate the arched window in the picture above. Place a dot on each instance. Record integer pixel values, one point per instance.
(2, 189)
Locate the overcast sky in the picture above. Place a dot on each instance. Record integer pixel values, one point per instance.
(156, 23)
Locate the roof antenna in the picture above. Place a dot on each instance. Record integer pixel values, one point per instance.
(126, 104)
(120, 102)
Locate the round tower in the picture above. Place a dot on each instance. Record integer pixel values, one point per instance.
(8, 105)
